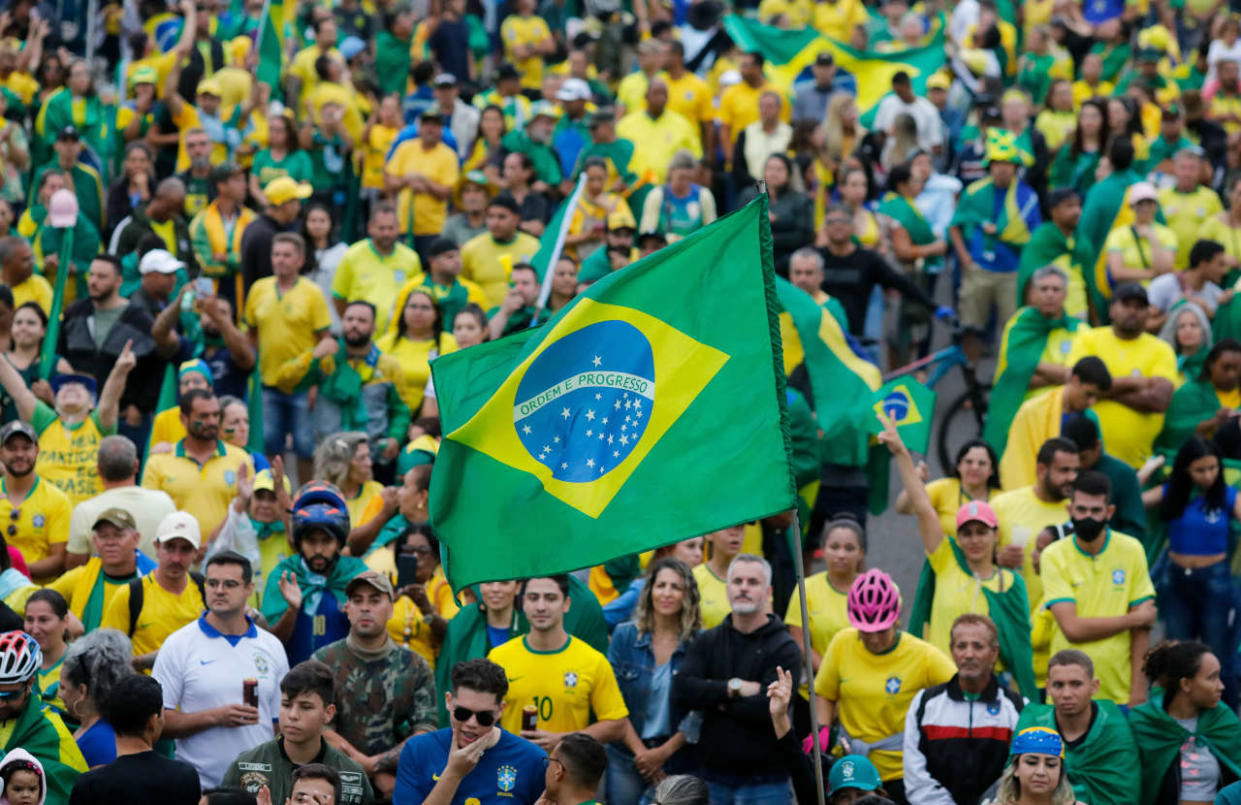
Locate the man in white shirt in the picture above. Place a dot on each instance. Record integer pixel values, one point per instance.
(1198, 284)
(117, 463)
(904, 101)
(221, 675)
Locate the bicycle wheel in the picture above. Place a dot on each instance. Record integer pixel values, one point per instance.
(962, 422)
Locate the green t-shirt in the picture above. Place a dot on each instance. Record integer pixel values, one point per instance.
(329, 163)
(391, 63)
(296, 165)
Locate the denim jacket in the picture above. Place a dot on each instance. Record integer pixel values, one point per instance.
(633, 661)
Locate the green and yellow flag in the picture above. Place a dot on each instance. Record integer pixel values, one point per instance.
(271, 45)
(911, 406)
(650, 409)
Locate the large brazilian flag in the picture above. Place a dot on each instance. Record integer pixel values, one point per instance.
(649, 410)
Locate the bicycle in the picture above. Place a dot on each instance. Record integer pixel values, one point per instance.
(970, 405)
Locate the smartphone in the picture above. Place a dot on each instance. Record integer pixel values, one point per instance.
(203, 287)
(406, 570)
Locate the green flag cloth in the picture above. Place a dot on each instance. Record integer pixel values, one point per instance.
(40, 732)
(1048, 247)
(1191, 404)
(1103, 768)
(1227, 321)
(47, 361)
(1023, 343)
(1009, 610)
(254, 404)
(1159, 738)
(596, 434)
(903, 211)
(313, 586)
(910, 405)
(271, 45)
(1106, 207)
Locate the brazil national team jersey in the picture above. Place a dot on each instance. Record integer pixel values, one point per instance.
(872, 692)
(565, 685)
(511, 772)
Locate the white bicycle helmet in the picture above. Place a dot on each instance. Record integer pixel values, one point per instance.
(20, 657)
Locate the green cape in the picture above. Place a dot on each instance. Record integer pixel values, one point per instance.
(1047, 246)
(1104, 767)
(1023, 345)
(902, 210)
(1159, 740)
(274, 605)
(41, 733)
(1191, 404)
(1010, 610)
(1076, 172)
(1104, 201)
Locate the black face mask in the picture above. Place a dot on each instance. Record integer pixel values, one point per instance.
(1088, 529)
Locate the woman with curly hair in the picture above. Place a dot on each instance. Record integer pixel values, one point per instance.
(646, 653)
(345, 460)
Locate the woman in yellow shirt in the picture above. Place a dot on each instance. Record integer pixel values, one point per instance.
(47, 621)
(966, 577)
(414, 338)
(1144, 249)
(827, 593)
(345, 460)
(423, 606)
(973, 477)
(1225, 227)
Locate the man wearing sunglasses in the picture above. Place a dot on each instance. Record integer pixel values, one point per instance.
(473, 760)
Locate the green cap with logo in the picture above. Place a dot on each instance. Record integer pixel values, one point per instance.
(852, 771)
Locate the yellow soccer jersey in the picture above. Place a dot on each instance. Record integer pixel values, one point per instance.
(828, 609)
(957, 593)
(204, 491)
(1127, 433)
(162, 613)
(1022, 516)
(41, 520)
(566, 685)
(712, 596)
(1102, 586)
(872, 691)
(288, 324)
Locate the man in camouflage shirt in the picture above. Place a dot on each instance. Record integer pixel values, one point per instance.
(307, 693)
(385, 693)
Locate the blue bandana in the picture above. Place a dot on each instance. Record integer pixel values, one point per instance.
(1037, 741)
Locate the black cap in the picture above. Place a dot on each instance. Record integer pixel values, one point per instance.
(604, 114)
(15, 427)
(992, 113)
(445, 80)
(432, 113)
(506, 70)
(825, 59)
(507, 202)
(442, 246)
(68, 133)
(1129, 292)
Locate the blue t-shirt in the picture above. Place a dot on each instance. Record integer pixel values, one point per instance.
(98, 744)
(511, 772)
(310, 634)
(1202, 531)
(497, 635)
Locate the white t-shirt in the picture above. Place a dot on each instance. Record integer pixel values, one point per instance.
(148, 507)
(924, 113)
(1219, 52)
(199, 669)
(1165, 291)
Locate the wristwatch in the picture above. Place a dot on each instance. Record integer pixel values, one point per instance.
(734, 688)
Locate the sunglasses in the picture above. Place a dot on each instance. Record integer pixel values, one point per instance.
(485, 718)
(9, 695)
(14, 516)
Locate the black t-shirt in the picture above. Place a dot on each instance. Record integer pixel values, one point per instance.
(1081, 739)
(144, 777)
(851, 278)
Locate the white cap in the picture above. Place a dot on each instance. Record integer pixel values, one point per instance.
(573, 89)
(180, 525)
(1142, 191)
(159, 261)
(730, 77)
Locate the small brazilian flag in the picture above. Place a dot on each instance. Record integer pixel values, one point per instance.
(649, 410)
(911, 406)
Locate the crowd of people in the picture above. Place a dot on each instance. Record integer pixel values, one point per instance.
(235, 236)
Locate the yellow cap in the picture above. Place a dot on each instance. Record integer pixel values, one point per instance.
(144, 75)
(264, 481)
(210, 86)
(621, 218)
(938, 81)
(278, 191)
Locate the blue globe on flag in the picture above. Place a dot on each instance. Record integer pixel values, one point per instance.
(896, 405)
(585, 401)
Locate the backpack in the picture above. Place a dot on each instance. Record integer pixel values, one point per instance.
(136, 595)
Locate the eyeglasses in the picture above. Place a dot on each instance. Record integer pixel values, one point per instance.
(14, 515)
(548, 760)
(423, 550)
(228, 584)
(485, 718)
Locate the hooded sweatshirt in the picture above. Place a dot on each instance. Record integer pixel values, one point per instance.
(18, 755)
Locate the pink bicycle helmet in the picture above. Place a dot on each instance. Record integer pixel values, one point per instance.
(874, 602)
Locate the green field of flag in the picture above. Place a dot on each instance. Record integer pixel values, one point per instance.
(650, 409)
